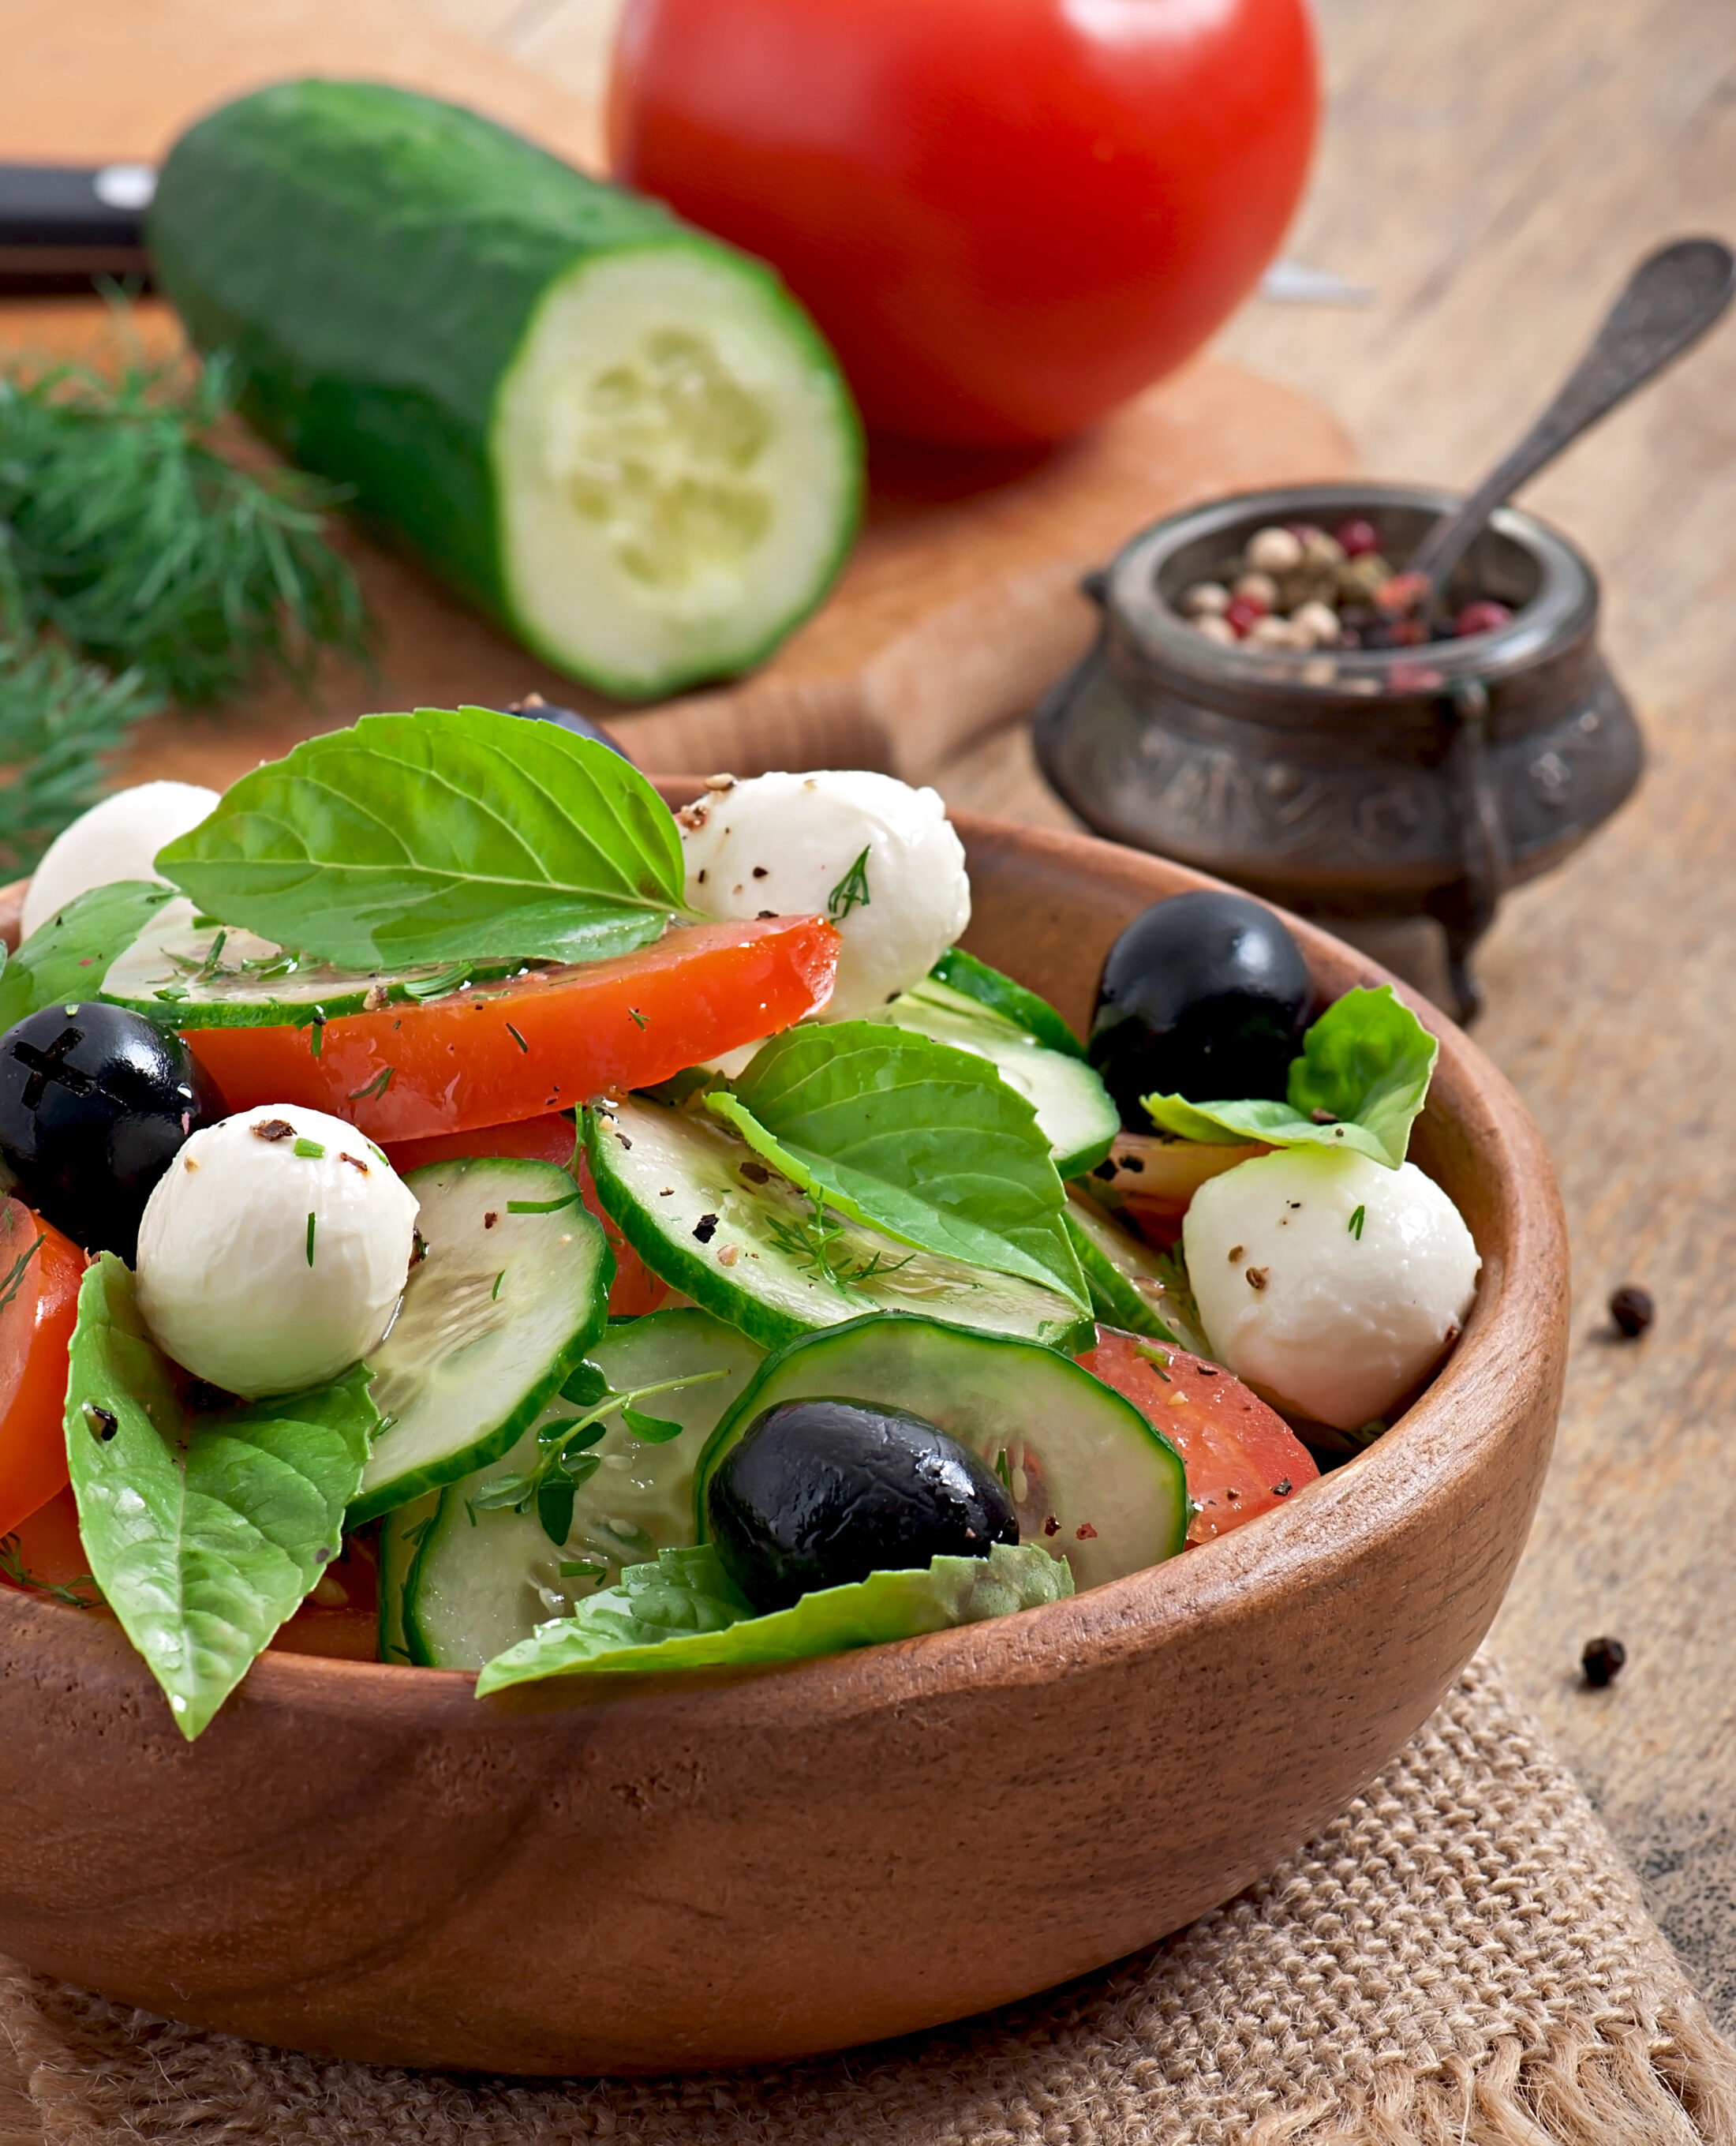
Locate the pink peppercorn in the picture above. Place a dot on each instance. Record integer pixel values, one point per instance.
(1404, 592)
(1243, 612)
(1358, 537)
(1483, 616)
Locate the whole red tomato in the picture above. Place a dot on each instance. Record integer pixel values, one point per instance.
(1008, 216)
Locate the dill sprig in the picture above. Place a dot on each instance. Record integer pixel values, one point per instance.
(58, 718)
(125, 533)
(80, 1593)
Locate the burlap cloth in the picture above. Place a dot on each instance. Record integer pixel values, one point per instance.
(1460, 1960)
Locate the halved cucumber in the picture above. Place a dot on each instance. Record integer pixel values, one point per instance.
(1093, 1481)
(1072, 1105)
(513, 1290)
(482, 1581)
(212, 975)
(702, 1210)
(623, 440)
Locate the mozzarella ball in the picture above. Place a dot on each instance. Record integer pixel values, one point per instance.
(118, 839)
(273, 1252)
(1328, 1282)
(878, 857)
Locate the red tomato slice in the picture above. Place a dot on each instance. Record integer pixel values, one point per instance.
(36, 1327)
(1242, 1458)
(536, 1043)
(50, 1549)
(635, 1290)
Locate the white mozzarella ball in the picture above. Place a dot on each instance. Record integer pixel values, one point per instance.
(1328, 1281)
(118, 839)
(273, 1250)
(788, 846)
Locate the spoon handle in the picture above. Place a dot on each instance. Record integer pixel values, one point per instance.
(1671, 299)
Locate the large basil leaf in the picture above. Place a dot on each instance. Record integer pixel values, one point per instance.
(913, 1137)
(68, 957)
(682, 1613)
(204, 1532)
(449, 834)
(1362, 1079)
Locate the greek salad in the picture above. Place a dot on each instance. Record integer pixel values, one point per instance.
(464, 1214)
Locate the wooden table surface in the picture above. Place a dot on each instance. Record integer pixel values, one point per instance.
(1492, 173)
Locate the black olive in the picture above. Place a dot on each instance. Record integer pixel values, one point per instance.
(95, 1103)
(1203, 995)
(818, 1492)
(536, 709)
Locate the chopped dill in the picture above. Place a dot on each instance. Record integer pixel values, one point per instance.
(851, 891)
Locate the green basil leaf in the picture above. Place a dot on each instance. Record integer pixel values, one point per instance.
(206, 1531)
(1360, 1082)
(684, 1613)
(449, 835)
(67, 958)
(913, 1137)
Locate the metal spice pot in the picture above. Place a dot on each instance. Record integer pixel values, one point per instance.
(1349, 784)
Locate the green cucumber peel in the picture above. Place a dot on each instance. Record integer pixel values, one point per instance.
(205, 1532)
(1360, 1082)
(448, 835)
(684, 1613)
(1000, 994)
(66, 959)
(911, 1137)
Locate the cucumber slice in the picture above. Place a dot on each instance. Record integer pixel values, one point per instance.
(704, 1213)
(1072, 1105)
(483, 1582)
(964, 973)
(1126, 1280)
(623, 440)
(1093, 1481)
(514, 1289)
(212, 975)
(401, 1534)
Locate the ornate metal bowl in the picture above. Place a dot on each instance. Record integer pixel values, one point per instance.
(1352, 785)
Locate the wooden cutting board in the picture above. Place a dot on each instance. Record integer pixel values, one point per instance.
(960, 603)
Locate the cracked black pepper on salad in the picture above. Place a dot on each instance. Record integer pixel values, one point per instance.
(596, 1238)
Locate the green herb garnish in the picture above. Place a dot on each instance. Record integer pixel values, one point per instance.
(313, 1224)
(851, 891)
(59, 721)
(125, 534)
(1355, 1223)
(310, 1150)
(80, 1593)
(377, 1086)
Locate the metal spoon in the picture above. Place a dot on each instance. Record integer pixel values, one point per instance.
(1671, 299)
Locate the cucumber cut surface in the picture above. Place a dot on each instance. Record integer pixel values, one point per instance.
(704, 1213)
(211, 975)
(401, 1533)
(513, 1290)
(1092, 1481)
(622, 439)
(972, 979)
(481, 1583)
(1072, 1105)
(1127, 1284)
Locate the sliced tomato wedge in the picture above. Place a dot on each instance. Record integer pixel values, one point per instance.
(40, 1270)
(539, 1042)
(46, 1552)
(1241, 1457)
(635, 1290)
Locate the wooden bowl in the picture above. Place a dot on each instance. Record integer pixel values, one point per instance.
(726, 1868)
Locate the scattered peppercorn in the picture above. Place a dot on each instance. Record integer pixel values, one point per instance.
(1633, 1311)
(1602, 1659)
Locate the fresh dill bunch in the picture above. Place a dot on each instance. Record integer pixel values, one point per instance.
(124, 532)
(59, 718)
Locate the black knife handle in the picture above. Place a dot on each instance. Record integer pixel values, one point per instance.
(62, 226)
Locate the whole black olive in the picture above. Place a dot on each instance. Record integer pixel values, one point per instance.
(818, 1492)
(1203, 995)
(95, 1103)
(536, 710)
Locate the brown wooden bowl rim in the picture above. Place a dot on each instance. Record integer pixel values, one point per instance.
(1327, 1527)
